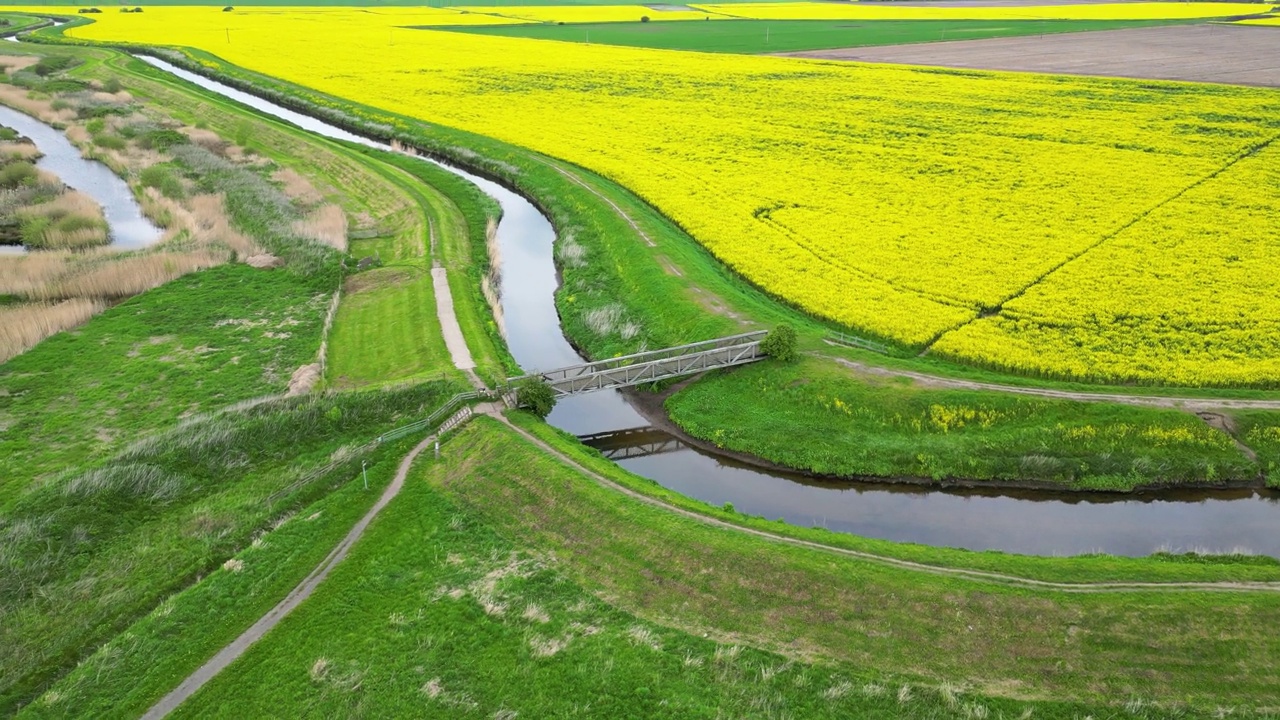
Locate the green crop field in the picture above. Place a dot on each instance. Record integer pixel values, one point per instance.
(776, 36)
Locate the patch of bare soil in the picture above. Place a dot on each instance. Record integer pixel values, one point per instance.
(303, 379)
(378, 278)
(1214, 53)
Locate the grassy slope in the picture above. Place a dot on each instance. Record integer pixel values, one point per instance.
(190, 346)
(388, 330)
(460, 215)
(17, 22)
(503, 526)
(821, 418)
(773, 36)
(87, 555)
(126, 675)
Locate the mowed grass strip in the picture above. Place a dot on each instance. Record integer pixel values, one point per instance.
(501, 580)
(778, 36)
(387, 328)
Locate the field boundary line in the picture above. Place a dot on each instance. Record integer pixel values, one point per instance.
(228, 654)
(1193, 404)
(981, 576)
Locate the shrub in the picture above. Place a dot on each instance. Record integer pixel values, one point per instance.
(52, 64)
(644, 18)
(162, 139)
(536, 395)
(16, 174)
(780, 343)
(108, 141)
(112, 86)
(162, 178)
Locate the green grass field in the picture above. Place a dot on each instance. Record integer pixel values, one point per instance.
(775, 36)
(188, 347)
(88, 553)
(460, 217)
(502, 580)
(839, 423)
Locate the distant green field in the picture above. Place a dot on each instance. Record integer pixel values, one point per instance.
(770, 36)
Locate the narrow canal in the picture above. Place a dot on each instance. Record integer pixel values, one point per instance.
(129, 229)
(1030, 523)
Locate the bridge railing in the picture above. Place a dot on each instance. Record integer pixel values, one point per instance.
(442, 413)
(623, 361)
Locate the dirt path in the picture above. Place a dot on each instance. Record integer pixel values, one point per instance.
(971, 575)
(228, 654)
(1190, 404)
(454, 340)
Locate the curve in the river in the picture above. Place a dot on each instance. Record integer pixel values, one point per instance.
(1039, 524)
(129, 229)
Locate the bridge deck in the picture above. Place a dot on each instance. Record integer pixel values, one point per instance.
(655, 365)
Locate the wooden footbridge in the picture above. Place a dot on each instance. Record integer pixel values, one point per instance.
(652, 366)
(633, 443)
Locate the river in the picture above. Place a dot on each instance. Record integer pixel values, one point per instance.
(1029, 523)
(129, 228)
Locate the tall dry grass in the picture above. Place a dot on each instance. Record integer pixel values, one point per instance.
(74, 222)
(491, 283)
(19, 150)
(326, 224)
(23, 326)
(297, 187)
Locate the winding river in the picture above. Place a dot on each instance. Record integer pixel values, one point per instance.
(1030, 523)
(129, 228)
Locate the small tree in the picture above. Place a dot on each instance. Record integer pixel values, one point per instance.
(536, 395)
(780, 343)
(644, 18)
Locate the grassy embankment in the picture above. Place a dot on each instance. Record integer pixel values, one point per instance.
(500, 564)
(91, 551)
(386, 329)
(460, 217)
(98, 530)
(622, 292)
(776, 36)
(841, 425)
(11, 24)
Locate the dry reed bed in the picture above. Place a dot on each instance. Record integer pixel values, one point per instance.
(23, 326)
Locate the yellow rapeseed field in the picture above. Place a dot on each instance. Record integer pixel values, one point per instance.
(1090, 228)
(887, 11)
(588, 13)
(1272, 21)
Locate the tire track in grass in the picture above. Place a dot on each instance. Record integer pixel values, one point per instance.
(1239, 157)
